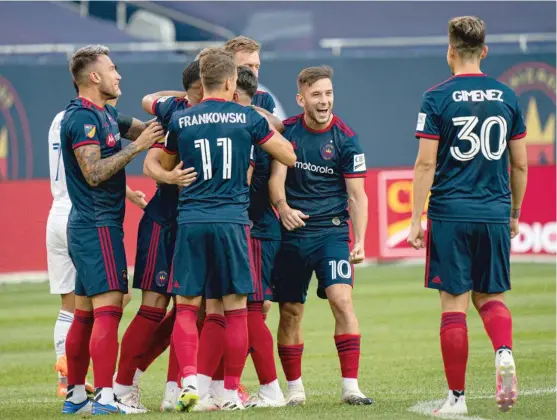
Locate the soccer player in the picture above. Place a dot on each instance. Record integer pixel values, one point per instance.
(246, 53)
(212, 257)
(148, 335)
(61, 271)
(94, 162)
(469, 127)
(312, 199)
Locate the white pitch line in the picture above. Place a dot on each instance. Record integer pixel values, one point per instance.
(426, 407)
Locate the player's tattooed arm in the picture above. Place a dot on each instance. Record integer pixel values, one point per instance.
(424, 171)
(97, 170)
(134, 129)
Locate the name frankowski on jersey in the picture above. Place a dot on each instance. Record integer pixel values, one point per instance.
(212, 118)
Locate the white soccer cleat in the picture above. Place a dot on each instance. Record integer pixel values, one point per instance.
(506, 392)
(295, 396)
(207, 403)
(170, 399)
(128, 409)
(355, 397)
(259, 400)
(453, 405)
(132, 399)
(233, 405)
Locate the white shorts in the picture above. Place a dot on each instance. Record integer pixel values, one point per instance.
(61, 271)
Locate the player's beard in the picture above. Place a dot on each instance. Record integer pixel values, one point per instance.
(317, 118)
(110, 93)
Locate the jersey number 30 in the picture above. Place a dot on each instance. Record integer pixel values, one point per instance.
(204, 146)
(481, 142)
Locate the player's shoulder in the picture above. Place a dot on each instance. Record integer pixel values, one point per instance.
(81, 109)
(342, 128)
(262, 94)
(291, 121)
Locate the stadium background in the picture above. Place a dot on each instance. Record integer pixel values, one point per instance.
(385, 55)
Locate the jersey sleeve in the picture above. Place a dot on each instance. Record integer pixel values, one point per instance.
(260, 130)
(428, 126)
(518, 130)
(83, 128)
(163, 108)
(353, 159)
(252, 156)
(124, 124)
(269, 104)
(171, 140)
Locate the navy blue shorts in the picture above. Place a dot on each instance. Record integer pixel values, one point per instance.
(298, 258)
(264, 254)
(463, 256)
(212, 260)
(99, 257)
(153, 260)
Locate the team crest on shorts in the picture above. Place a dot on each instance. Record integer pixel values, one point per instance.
(110, 140)
(336, 221)
(125, 274)
(328, 150)
(162, 278)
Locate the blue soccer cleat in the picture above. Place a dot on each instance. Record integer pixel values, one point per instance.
(79, 408)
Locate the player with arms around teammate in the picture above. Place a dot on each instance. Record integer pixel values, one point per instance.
(61, 271)
(94, 162)
(212, 257)
(313, 208)
(469, 128)
(148, 335)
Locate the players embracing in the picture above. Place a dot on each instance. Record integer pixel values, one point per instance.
(315, 199)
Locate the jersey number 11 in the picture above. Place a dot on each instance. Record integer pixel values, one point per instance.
(204, 146)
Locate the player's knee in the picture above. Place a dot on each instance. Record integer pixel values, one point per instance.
(267, 306)
(480, 299)
(340, 300)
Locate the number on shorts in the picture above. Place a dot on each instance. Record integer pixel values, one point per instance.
(226, 144)
(341, 268)
(480, 142)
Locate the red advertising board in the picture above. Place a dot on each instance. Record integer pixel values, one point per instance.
(393, 192)
(25, 205)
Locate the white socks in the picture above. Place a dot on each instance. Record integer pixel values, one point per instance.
(204, 383)
(61, 328)
(76, 394)
(272, 390)
(296, 384)
(350, 384)
(107, 396)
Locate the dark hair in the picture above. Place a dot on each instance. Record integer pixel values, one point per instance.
(191, 74)
(467, 35)
(247, 81)
(83, 58)
(310, 75)
(216, 65)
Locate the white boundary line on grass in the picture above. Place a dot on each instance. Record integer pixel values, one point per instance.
(426, 407)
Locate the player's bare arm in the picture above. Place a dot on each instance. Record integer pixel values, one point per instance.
(136, 197)
(97, 170)
(424, 171)
(153, 168)
(147, 101)
(280, 149)
(357, 199)
(519, 179)
(136, 128)
(250, 174)
(273, 120)
(290, 218)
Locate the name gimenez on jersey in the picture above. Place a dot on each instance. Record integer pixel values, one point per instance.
(212, 118)
(478, 95)
(313, 168)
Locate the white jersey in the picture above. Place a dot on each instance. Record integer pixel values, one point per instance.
(61, 204)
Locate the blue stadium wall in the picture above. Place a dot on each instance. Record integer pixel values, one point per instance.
(378, 97)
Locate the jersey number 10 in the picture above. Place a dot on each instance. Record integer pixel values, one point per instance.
(480, 142)
(205, 147)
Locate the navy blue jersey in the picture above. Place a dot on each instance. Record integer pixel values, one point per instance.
(473, 117)
(215, 137)
(261, 213)
(264, 100)
(104, 205)
(316, 184)
(163, 206)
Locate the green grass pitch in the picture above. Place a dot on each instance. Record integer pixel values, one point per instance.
(400, 366)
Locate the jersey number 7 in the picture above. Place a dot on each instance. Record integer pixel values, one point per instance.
(205, 147)
(480, 142)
